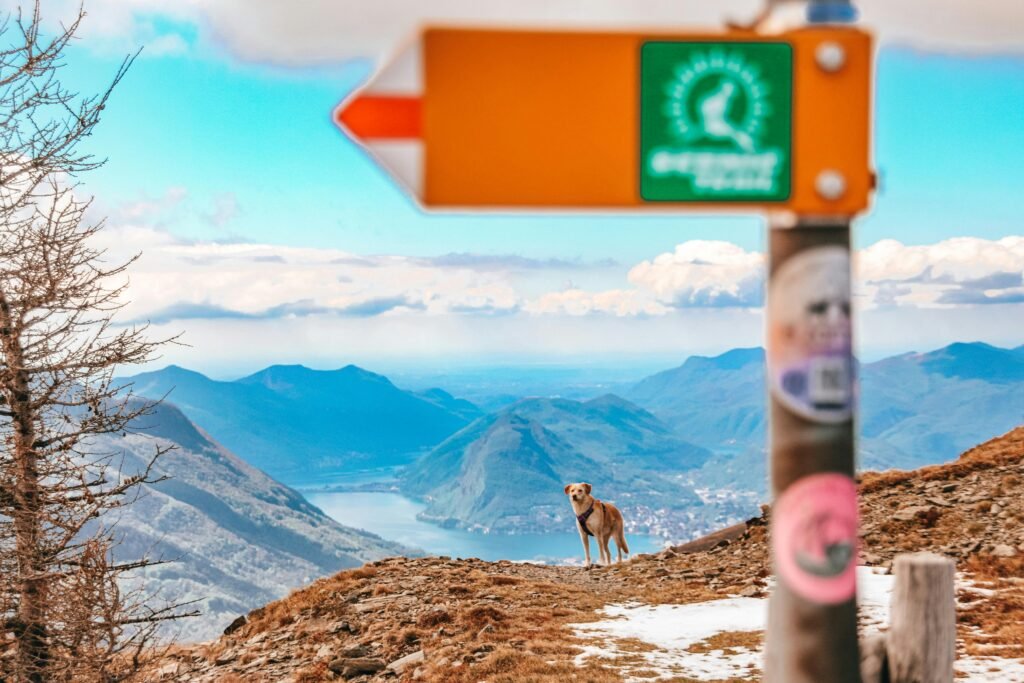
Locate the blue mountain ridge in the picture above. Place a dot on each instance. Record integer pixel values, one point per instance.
(915, 408)
(506, 471)
(295, 423)
(235, 537)
(701, 425)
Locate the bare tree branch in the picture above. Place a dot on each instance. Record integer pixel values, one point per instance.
(68, 609)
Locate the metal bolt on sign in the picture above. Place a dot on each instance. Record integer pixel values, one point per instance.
(831, 56)
(830, 184)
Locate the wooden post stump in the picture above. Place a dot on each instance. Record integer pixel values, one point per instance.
(922, 635)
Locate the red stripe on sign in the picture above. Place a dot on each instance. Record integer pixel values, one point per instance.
(382, 117)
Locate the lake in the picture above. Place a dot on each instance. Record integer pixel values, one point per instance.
(393, 517)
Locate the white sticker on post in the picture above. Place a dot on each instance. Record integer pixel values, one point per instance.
(810, 364)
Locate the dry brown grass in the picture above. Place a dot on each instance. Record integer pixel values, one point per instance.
(988, 567)
(507, 665)
(501, 580)
(975, 528)
(366, 572)
(314, 673)
(729, 641)
(994, 625)
(1004, 450)
(434, 618)
(529, 633)
(480, 616)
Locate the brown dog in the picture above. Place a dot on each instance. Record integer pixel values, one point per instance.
(598, 519)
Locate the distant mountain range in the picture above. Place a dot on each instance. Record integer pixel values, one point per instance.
(506, 471)
(235, 537)
(690, 441)
(683, 453)
(915, 408)
(296, 423)
(932, 406)
(713, 402)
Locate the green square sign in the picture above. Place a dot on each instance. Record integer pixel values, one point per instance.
(715, 121)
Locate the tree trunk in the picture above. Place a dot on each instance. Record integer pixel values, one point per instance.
(30, 630)
(63, 615)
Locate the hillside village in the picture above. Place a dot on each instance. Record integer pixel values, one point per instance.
(449, 619)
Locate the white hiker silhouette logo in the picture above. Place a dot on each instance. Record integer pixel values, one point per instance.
(717, 107)
(713, 110)
(718, 97)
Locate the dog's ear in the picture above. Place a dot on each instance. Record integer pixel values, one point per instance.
(588, 488)
(567, 487)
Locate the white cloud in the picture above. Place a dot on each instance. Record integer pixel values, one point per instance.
(321, 30)
(251, 304)
(703, 273)
(176, 279)
(963, 270)
(239, 346)
(188, 280)
(954, 272)
(304, 32)
(165, 44)
(146, 210)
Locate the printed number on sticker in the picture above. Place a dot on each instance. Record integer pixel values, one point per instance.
(829, 383)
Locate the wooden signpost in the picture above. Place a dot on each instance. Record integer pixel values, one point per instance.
(778, 123)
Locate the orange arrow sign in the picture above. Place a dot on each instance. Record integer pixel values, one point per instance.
(512, 119)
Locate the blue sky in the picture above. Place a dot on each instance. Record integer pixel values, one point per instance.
(210, 143)
(947, 129)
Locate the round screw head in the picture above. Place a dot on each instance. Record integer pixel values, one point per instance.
(830, 56)
(831, 185)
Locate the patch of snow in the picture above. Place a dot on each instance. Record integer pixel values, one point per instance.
(987, 669)
(672, 629)
(679, 626)
(714, 665)
(874, 591)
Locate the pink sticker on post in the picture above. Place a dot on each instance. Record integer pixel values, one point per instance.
(814, 537)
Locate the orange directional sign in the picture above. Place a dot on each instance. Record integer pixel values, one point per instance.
(511, 119)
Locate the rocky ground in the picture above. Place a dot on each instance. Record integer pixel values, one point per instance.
(442, 619)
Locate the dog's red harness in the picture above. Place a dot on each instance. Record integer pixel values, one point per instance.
(582, 519)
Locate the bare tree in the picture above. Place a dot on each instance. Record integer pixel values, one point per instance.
(67, 612)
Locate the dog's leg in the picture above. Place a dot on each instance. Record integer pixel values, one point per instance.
(586, 547)
(620, 542)
(606, 554)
